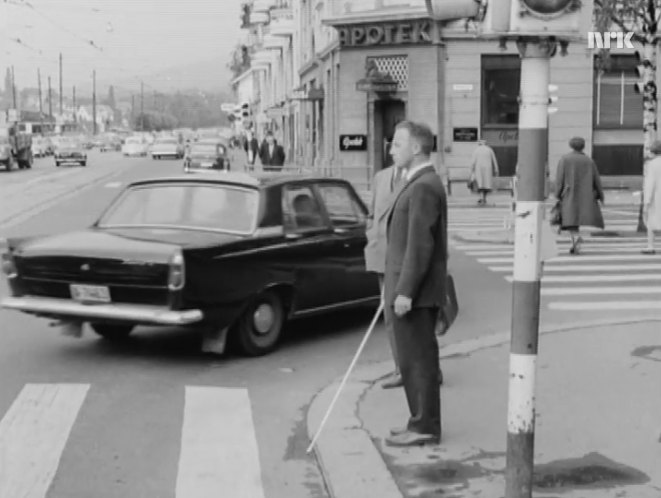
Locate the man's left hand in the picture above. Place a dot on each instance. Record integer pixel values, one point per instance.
(402, 305)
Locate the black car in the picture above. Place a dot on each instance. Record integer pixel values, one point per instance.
(207, 155)
(221, 253)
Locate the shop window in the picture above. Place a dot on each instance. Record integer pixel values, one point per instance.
(616, 104)
(500, 90)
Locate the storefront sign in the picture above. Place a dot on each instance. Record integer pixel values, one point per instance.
(464, 134)
(376, 86)
(397, 33)
(353, 142)
(501, 138)
(462, 87)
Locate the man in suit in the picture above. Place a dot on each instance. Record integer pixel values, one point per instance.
(251, 146)
(271, 154)
(386, 183)
(415, 280)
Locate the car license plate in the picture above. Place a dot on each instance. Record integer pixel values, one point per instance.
(90, 293)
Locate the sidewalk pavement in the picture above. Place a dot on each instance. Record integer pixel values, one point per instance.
(598, 420)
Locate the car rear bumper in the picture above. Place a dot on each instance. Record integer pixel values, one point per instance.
(143, 314)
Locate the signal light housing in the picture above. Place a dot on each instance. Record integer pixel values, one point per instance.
(177, 271)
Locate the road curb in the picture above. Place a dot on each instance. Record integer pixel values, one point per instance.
(48, 203)
(349, 461)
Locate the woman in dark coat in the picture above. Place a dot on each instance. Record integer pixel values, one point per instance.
(578, 187)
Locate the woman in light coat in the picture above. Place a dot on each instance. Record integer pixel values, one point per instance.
(484, 166)
(652, 196)
(578, 187)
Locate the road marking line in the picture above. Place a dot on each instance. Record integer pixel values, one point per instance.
(597, 278)
(33, 434)
(219, 453)
(587, 249)
(580, 291)
(581, 258)
(588, 268)
(605, 305)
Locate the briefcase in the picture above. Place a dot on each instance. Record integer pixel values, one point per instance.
(448, 313)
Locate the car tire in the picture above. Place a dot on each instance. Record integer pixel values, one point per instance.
(84, 163)
(259, 329)
(57, 164)
(112, 332)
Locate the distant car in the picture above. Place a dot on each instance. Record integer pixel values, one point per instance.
(167, 147)
(207, 154)
(135, 146)
(227, 253)
(70, 150)
(39, 146)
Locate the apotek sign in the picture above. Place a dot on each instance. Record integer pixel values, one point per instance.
(353, 142)
(396, 33)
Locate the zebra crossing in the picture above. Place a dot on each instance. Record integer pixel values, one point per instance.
(610, 273)
(219, 455)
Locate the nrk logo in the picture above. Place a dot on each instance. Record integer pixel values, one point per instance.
(603, 40)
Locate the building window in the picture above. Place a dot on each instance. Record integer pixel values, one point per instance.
(500, 90)
(616, 104)
(397, 66)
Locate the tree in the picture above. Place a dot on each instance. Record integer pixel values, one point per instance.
(641, 17)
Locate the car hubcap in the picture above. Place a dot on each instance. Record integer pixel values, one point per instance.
(263, 318)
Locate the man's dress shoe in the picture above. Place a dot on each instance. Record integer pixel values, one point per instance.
(409, 438)
(392, 382)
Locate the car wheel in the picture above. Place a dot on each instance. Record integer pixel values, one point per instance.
(57, 163)
(83, 163)
(112, 332)
(260, 327)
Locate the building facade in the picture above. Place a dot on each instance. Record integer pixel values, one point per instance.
(358, 67)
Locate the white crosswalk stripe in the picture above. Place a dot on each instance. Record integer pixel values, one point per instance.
(219, 454)
(609, 274)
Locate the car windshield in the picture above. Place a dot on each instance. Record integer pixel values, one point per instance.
(189, 206)
(68, 142)
(207, 149)
(168, 141)
(133, 141)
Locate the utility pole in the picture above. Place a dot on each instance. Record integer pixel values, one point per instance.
(142, 106)
(530, 213)
(94, 100)
(61, 92)
(13, 86)
(75, 112)
(50, 100)
(41, 107)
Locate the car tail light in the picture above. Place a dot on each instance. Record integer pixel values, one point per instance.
(7, 260)
(177, 273)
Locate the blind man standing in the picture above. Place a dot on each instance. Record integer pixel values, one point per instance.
(415, 281)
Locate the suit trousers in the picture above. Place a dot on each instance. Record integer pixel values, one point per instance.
(417, 350)
(389, 330)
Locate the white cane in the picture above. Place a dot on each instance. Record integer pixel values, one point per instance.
(346, 375)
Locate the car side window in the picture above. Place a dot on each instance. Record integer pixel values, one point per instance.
(343, 208)
(300, 209)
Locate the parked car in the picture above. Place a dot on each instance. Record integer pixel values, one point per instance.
(232, 254)
(70, 150)
(167, 147)
(207, 154)
(135, 146)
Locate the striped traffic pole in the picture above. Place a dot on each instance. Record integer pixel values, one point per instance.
(532, 155)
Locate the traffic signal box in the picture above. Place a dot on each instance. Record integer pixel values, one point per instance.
(565, 19)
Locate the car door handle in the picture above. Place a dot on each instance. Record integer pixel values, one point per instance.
(340, 231)
(293, 236)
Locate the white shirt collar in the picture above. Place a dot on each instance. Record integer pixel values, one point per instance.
(414, 170)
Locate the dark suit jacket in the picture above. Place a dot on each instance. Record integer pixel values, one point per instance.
(416, 259)
(275, 159)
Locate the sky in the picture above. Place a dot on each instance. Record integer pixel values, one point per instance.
(165, 43)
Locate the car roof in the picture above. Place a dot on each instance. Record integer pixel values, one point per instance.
(255, 180)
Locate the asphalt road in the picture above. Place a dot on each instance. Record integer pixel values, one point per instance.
(129, 406)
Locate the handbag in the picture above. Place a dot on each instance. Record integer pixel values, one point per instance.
(556, 214)
(449, 311)
(472, 184)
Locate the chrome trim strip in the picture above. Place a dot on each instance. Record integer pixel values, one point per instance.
(330, 307)
(156, 315)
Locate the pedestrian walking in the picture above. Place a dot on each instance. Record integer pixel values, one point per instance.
(415, 280)
(271, 154)
(385, 186)
(484, 166)
(578, 188)
(251, 146)
(652, 196)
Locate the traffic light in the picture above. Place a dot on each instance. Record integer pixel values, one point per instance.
(566, 18)
(553, 98)
(245, 110)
